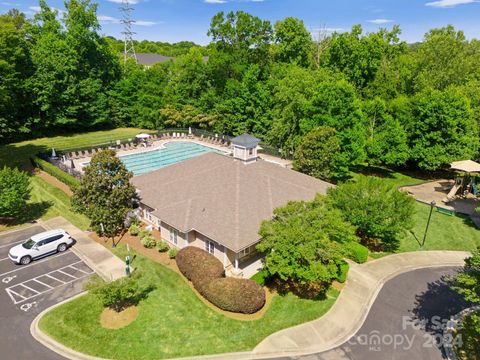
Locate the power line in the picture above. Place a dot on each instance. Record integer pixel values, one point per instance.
(126, 9)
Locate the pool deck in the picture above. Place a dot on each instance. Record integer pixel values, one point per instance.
(160, 143)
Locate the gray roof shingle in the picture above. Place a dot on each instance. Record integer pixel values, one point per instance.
(245, 140)
(223, 198)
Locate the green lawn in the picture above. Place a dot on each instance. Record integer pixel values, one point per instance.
(54, 202)
(23, 150)
(172, 322)
(445, 232)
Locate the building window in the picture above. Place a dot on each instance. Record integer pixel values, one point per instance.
(173, 236)
(210, 247)
(244, 252)
(250, 151)
(147, 215)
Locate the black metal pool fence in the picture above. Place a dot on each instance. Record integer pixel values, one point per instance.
(117, 142)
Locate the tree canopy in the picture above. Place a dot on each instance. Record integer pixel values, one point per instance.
(390, 103)
(14, 192)
(105, 194)
(303, 244)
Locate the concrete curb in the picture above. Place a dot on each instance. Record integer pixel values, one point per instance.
(22, 227)
(453, 259)
(366, 299)
(52, 344)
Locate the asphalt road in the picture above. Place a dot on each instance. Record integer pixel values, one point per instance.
(25, 291)
(405, 321)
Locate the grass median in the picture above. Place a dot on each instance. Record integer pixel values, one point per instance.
(172, 321)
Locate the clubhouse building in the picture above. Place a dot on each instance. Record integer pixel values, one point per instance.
(217, 202)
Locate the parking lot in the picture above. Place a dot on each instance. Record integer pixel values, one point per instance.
(27, 290)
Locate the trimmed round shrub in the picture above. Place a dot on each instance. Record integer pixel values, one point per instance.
(143, 233)
(172, 253)
(134, 230)
(199, 266)
(357, 252)
(149, 242)
(235, 295)
(162, 246)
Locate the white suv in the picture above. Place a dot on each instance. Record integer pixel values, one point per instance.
(40, 245)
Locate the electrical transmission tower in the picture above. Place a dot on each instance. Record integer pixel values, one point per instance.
(127, 32)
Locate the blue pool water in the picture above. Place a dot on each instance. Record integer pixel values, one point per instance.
(174, 152)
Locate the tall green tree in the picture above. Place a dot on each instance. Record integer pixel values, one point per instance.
(303, 245)
(238, 40)
(294, 42)
(15, 69)
(74, 68)
(445, 58)
(317, 155)
(14, 192)
(442, 129)
(360, 56)
(105, 194)
(380, 212)
(387, 140)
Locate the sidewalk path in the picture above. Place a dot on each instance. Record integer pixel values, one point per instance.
(336, 327)
(99, 259)
(348, 313)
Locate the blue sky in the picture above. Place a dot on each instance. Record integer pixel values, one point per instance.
(176, 20)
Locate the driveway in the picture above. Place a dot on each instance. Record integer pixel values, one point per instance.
(27, 290)
(405, 320)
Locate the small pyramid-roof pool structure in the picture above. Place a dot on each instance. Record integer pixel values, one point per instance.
(468, 166)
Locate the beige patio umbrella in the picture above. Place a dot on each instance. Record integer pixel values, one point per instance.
(467, 166)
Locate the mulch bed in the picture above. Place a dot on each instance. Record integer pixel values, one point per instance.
(162, 258)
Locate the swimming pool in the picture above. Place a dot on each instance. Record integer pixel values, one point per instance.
(174, 152)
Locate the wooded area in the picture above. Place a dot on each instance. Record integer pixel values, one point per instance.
(388, 102)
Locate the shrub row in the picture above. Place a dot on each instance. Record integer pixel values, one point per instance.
(357, 252)
(56, 172)
(199, 266)
(236, 295)
(206, 273)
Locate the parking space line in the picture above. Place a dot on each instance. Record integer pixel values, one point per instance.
(4, 259)
(29, 288)
(13, 243)
(11, 292)
(42, 283)
(36, 263)
(63, 272)
(54, 278)
(75, 268)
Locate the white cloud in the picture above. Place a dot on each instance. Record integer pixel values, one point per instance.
(380, 21)
(145, 23)
(215, 1)
(449, 3)
(105, 19)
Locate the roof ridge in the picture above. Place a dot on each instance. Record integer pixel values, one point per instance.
(237, 202)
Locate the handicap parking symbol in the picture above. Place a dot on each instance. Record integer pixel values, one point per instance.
(7, 279)
(27, 306)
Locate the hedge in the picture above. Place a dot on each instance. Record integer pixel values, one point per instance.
(56, 172)
(236, 295)
(199, 266)
(357, 252)
(343, 272)
(206, 273)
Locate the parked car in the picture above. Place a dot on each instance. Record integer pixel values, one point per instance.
(40, 245)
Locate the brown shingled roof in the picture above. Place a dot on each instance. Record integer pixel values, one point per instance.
(223, 198)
